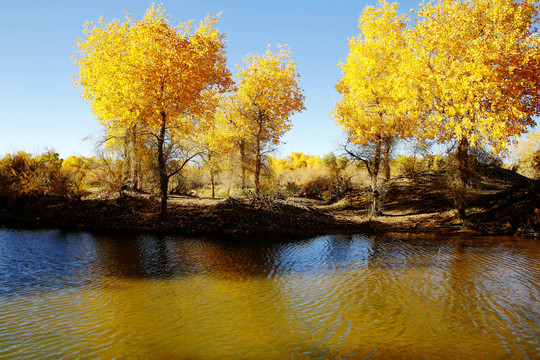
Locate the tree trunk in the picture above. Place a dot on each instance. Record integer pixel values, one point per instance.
(136, 175)
(136, 160)
(258, 155)
(243, 162)
(212, 181)
(387, 146)
(463, 159)
(463, 172)
(163, 178)
(258, 165)
(128, 155)
(132, 171)
(374, 175)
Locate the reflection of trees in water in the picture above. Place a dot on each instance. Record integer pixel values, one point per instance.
(248, 258)
(391, 252)
(235, 259)
(154, 257)
(135, 256)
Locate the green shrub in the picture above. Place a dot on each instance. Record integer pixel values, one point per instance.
(292, 188)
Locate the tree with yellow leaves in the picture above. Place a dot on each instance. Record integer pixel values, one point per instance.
(155, 76)
(221, 137)
(268, 95)
(371, 89)
(294, 161)
(474, 72)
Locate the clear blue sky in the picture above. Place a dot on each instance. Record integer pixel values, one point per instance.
(40, 108)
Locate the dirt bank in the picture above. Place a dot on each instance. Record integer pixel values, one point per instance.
(499, 202)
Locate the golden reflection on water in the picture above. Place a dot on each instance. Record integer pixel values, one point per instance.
(473, 303)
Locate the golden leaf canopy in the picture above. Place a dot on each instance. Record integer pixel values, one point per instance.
(134, 72)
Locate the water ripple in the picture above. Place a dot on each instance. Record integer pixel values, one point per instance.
(82, 296)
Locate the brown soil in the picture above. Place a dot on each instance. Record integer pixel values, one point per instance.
(499, 202)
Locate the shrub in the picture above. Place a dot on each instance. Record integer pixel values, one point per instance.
(243, 192)
(326, 187)
(315, 188)
(292, 188)
(24, 175)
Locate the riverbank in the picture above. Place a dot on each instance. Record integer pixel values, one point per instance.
(499, 202)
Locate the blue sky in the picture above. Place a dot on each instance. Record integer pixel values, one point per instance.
(40, 108)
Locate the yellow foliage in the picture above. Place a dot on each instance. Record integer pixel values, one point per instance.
(78, 162)
(268, 94)
(151, 73)
(156, 77)
(218, 142)
(474, 69)
(464, 71)
(372, 78)
(24, 174)
(296, 160)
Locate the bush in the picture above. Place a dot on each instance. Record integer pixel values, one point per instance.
(24, 175)
(411, 165)
(326, 187)
(292, 188)
(315, 188)
(243, 192)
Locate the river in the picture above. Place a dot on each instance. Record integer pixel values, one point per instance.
(84, 296)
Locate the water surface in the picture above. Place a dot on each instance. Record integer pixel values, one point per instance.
(79, 295)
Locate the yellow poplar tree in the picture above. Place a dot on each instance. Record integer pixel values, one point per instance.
(268, 95)
(155, 76)
(220, 139)
(369, 110)
(475, 67)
